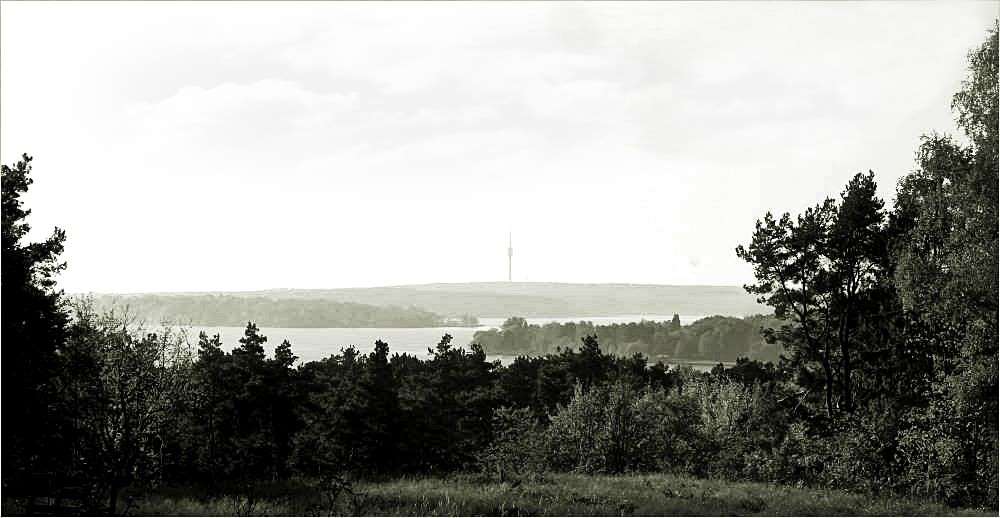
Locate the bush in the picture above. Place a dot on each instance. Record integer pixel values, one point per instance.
(714, 427)
(571, 441)
(616, 428)
(798, 459)
(671, 439)
(517, 445)
(737, 424)
(861, 454)
(931, 458)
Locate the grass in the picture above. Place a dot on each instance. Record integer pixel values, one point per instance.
(552, 495)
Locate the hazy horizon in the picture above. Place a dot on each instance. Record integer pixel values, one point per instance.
(322, 288)
(236, 147)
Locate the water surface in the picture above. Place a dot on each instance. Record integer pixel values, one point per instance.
(316, 343)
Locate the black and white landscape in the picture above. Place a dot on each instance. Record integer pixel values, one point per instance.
(575, 258)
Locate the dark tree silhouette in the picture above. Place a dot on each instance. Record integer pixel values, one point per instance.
(33, 324)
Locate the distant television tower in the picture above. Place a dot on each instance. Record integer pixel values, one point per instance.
(510, 256)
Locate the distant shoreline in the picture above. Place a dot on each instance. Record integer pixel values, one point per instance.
(503, 299)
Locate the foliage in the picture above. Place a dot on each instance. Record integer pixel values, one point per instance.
(716, 338)
(948, 276)
(887, 323)
(229, 310)
(33, 331)
(616, 428)
(894, 315)
(351, 416)
(122, 399)
(517, 446)
(737, 424)
(243, 414)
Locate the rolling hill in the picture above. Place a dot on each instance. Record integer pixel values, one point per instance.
(535, 299)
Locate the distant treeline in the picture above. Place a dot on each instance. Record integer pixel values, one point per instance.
(715, 338)
(540, 299)
(227, 310)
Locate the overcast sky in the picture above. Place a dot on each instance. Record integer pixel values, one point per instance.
(254, 145)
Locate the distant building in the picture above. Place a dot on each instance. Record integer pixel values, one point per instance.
(510, 256)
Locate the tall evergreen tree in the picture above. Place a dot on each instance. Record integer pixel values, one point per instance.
(34, 329)
(382, 393)
(791, 267)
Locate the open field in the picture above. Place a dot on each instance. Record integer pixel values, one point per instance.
(553, 495)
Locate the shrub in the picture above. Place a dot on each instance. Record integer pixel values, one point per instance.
(517, 445)
(931, 459)
(736, 425)
(672, 438)
(616, 428)
(861, 454)
(571, 442)
(798, 459)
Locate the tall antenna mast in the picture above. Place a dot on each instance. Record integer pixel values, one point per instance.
(510, 256)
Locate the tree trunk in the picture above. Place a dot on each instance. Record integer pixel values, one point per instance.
(828, 371)
(845, 364)
(113, 498)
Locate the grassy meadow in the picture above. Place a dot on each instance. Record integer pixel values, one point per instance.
(551, 495)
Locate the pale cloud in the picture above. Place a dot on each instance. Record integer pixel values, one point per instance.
(272, 105)
(231, 146)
